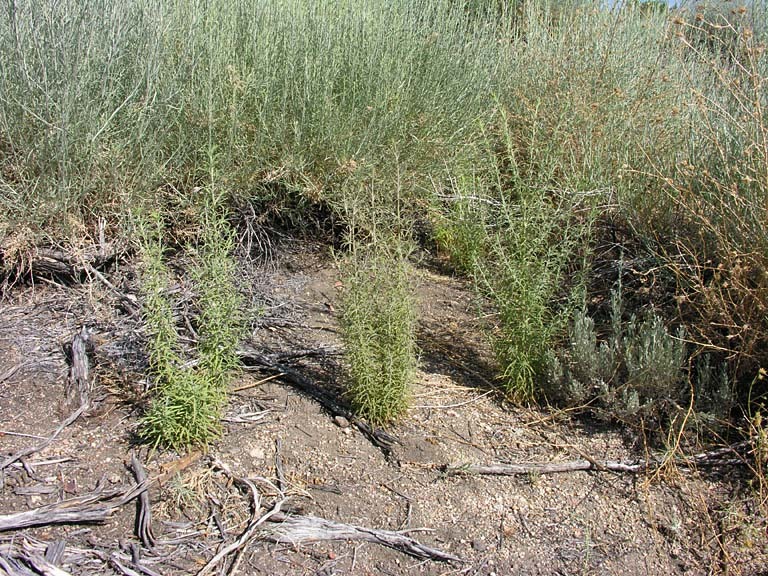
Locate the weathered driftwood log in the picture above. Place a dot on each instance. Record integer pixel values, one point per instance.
(291, 529)
(89, 508)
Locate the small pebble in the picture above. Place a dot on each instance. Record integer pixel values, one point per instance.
(341, 422)
(256, 453)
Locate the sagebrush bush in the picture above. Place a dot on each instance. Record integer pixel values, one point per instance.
(635, 373)
(104, 102)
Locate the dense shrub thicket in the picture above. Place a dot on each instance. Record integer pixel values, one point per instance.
(601, 173)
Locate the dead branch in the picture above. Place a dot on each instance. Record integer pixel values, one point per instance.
(144, 508)
(51, 262)
(56, 553)
(12, 567)
(273, 365)
(29, 451)
(257, 519)
(548, 468)
(29, 565)
(94, 507)
(129, 301)
(724, 456)
(307, 529)
(177, 466)
(26, 561)
(78, 386)
(281, 484)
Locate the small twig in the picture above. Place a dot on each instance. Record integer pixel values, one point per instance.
(716, 457)
(21, 435)
(9, 373)
(49, 462)
(247, 417)
(29, 451)
(130, 301)
(464, 198)
(259, 383)
(458, 404)
(279, 466)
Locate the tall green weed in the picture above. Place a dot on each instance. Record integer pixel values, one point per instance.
(187, 400)
(378, 329)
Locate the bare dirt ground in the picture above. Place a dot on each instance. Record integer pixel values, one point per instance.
(574, 523)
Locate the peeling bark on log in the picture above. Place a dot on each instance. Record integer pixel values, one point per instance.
(95, 507)
(306, 529)
(79, 386)
(272, 365)
(52, 262)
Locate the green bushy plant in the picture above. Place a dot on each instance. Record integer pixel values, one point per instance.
(519, 239)
(459, 221)
(378, 328)
(523, 275)
(220, 304)
(187, 400)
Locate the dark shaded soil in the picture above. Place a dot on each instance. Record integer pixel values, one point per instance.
(577, 523)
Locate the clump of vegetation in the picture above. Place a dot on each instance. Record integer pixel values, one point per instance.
(379, 328)
(634, 373)
(530, 248)
(517, 240)
(187, 399)
(518, 121)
